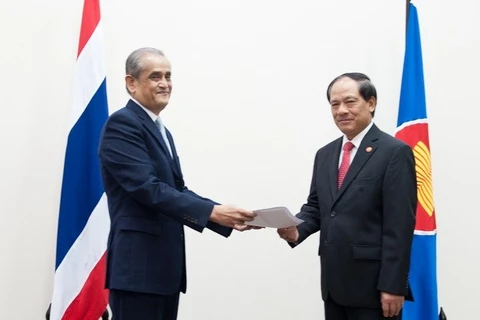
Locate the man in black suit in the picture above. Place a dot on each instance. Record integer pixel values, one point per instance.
(363, 198)
(148, 201)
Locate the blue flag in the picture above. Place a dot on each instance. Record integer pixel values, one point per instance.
(412, 127)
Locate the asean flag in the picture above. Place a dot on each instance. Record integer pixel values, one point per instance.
(412, 128)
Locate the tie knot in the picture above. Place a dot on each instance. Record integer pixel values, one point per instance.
(158, 123)
(348, 146)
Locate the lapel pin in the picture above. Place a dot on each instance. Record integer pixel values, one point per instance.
(368, 149)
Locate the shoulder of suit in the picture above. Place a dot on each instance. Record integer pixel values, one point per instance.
(124, 115)
(391, 140)
(119, 114)
(130, 109)
(330, 147)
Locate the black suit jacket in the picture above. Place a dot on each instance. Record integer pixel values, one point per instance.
(148, 204)
(366, 227)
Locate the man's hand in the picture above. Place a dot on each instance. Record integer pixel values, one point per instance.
(391, 304)
(289, 234)
(230, 216)
(245, 227)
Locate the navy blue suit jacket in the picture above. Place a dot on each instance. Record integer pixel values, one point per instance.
(148, 205)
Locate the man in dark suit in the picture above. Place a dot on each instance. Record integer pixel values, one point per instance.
(362, 199)
(148, 201)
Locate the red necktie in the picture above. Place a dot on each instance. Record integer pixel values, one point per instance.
(342, 171)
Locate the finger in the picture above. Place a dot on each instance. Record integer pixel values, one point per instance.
(396, 308)
(284, 236)
(242, 227)
(391, 309)
(244, 217)
(399, 308)
(397, 312)
(287, 237)
(239, 220)
(295, 235)
(236, 221)
(247, 213)
(386, 309)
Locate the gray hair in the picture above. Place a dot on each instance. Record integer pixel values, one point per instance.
(134, 65)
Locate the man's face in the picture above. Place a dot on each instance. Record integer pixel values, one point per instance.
(350, 111)
(154, 85)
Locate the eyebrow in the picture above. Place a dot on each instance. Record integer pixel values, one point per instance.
(156, 73)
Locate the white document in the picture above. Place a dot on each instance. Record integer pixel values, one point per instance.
(277, 217)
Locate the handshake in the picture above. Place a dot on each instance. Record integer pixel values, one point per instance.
(234, 217)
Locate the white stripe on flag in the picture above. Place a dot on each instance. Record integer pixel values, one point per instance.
(80, 260)
(410, 123)
(90, 71)
(425, 233)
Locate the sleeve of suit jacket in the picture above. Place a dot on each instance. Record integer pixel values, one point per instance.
(215, 227)
(399, 208)
(124, 155)
(309, 212)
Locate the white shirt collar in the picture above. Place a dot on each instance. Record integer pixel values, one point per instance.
(149, 112)
(357, 140)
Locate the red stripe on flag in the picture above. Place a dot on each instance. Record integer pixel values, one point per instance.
(90, 20)
(92, 300)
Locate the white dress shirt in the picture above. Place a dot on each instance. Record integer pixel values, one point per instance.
(356, 143)
(161, 127)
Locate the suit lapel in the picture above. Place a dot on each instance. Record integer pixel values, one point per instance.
(152, 128)
(334, 168)
(174, 152)
(366, 149)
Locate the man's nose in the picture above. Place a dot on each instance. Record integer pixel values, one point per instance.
(163, 82)
(342, 108)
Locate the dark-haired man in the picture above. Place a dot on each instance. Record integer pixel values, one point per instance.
(363, 200)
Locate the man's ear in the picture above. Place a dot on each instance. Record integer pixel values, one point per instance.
(372, 104)
(130, 83)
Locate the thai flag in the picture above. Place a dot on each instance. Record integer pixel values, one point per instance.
(83, 224)
(412, 127)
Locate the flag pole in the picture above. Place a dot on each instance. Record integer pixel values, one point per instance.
(407, 10)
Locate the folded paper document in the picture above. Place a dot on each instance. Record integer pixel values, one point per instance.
(277, 217)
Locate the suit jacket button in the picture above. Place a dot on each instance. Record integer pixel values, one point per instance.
(325, 243)
(333, 214)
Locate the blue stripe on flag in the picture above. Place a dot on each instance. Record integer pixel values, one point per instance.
(423, 280)
(412, 96)
(82, 186)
